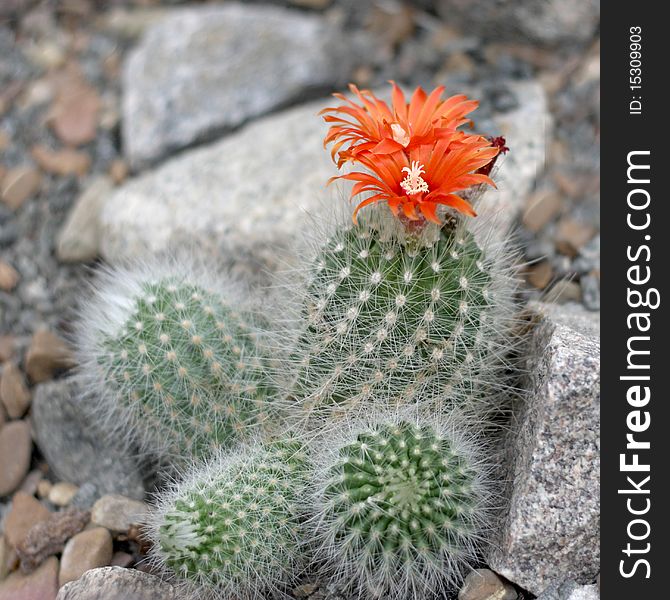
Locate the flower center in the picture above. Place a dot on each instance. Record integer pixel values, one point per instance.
(399, 134)
(414, 183)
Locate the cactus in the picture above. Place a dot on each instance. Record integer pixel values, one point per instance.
(231, 528)
(401, 508)
(175, 361)
(402, 316)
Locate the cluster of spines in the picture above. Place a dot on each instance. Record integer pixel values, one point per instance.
(176, 363)
(401, 319)
(232, 528)
(400, 509)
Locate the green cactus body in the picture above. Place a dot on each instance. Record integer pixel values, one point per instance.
(179, 366)
(400, 318)
(232, 527)
(401, 511)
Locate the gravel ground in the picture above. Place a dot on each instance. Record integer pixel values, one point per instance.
(50, 52)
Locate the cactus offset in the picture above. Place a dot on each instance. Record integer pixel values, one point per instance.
(402, 316)
(177, 363)
(231, 528)
(401, 508)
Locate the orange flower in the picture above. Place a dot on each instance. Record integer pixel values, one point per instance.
(424, 178)
(379, 128)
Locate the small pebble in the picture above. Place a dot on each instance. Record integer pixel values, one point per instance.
(62, 162)
(16, 446)
(565, 291)
(9, 277)
(61, 493)
(25, 512)
(43, 488)
(541, 207)
(42, 584)
(572, 236)
(118, 171)
(591, 292)
(7, 346)
(121, 559)
(6, 557)
(540, 275)
(48, 537)
(484, 584)
(47, 355)
(117, 513)
(14, 392)
(20, 184)
(31, 482)
(86, 550)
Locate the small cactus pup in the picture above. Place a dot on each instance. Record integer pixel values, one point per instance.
(231, 528)
(401, 507)
(173, 362)
(411, 301)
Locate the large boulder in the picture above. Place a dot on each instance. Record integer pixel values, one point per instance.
(76, 450)
(202, 70)
(249, 197)
(551, 531)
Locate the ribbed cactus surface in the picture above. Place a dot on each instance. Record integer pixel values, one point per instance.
(402, 509)
(177, 364)
(399, 317)
(232, 527)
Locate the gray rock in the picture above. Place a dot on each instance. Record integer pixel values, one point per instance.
(74, 449)
(590, 292)
(570, 590)
(551, 530)
(79, 238)
(549, 22)
(203, 70)
(117, 583)
(249, 197)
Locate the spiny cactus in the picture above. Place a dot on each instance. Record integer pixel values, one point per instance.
(174, 359)
(231, 528)
(402, 315)
(401, 508)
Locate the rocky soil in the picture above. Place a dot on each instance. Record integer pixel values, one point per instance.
(129, 127)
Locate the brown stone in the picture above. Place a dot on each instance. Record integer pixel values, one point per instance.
(48, 537)
(26, 511)
(572, 235)
(121, 559)
(540, 275)
(9, 276)
(31, 482)
(118, 171)
(61, 493)
(14, 392)
(565, 291)
(87, 550)
(47, 355)
(541, 208)
(484, 584)
(7, 345)
(7, 556)
(40, 585)
(74, 115)
(20, 184)
(61, 162)
(117, 513)
(43, 488)
(4, 140)
(15, 449)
